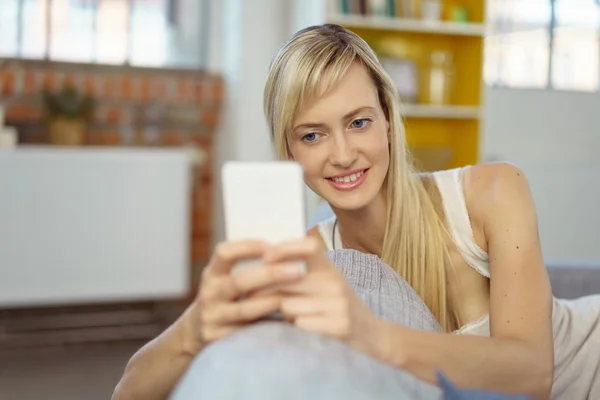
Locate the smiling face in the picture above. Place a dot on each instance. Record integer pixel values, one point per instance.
(341, 141)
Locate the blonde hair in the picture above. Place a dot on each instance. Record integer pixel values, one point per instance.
(414, 234)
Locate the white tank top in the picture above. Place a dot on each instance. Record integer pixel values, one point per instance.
(449, 183)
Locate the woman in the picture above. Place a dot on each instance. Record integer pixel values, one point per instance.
(342, 124)
(465, 239)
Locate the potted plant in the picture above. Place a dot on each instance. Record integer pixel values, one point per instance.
(67, 116)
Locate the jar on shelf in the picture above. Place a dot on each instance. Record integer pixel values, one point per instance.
(431, 10)
(439, 78)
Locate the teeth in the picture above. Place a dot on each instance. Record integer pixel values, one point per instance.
(349, 178)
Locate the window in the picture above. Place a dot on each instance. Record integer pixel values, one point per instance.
(576, 47)
(543, 44)
(8, 34)
(137, 32)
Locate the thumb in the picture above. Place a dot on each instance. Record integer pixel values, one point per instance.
(309, 250)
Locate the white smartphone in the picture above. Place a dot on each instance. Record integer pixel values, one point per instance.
(263, 200)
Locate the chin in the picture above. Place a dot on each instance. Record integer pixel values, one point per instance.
(349, 201)
(354, 203)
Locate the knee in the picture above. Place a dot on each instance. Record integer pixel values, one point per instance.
(277, 361)
(266, 358)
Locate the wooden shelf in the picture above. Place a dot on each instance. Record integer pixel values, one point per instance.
(442, 136)
(441, 112)
(408, 25)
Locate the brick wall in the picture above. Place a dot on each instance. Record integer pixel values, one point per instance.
(135, 107)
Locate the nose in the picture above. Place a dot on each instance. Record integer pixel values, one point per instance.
(342, 153)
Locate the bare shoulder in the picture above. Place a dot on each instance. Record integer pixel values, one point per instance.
(314, 232)
(485, 181)
(492, 185)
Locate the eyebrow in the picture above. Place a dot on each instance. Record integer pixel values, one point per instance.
(345, 117)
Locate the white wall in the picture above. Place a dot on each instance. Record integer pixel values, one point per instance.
(184, 46)
(247, 35)
(555, 137)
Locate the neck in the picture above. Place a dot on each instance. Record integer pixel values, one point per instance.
(363, 229)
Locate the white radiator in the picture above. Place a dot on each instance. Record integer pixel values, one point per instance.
(93, 225)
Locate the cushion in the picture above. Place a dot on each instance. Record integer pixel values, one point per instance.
(453, 393)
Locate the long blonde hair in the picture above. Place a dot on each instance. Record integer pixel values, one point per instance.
(414, 234)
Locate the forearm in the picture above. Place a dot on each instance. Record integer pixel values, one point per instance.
(155, 369)
(508, 366)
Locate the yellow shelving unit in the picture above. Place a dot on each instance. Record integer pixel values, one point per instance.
(441, 135)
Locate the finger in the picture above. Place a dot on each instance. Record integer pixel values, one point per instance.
(315, 285)
(213, 333)
(306, 306)
(308, 249)
(242, 311)
(248, 280)
(243, 282)
(313, 323)
(293, 288)
(217, 288)
(227, 254)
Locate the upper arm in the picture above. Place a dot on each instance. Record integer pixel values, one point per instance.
(520, 292)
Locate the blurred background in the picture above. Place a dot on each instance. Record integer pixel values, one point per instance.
(116, 115)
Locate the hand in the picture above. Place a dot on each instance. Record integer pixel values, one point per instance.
(222, 305)
(323, 301)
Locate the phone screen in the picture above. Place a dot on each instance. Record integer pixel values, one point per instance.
(264, 200)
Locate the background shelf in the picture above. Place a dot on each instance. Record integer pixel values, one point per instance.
(408, 25)
(444, 112)
(442, 123)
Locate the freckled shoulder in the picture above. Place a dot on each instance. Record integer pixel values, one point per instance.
(483, 182)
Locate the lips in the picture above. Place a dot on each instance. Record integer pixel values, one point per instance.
(350, 181)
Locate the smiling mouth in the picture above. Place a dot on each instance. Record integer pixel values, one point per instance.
(349, 178)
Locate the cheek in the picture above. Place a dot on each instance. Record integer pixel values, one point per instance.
(377, 146)
(310, 159)
(312, 164)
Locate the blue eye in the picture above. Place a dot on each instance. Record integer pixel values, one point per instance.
(310, 137)
(360, 123)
